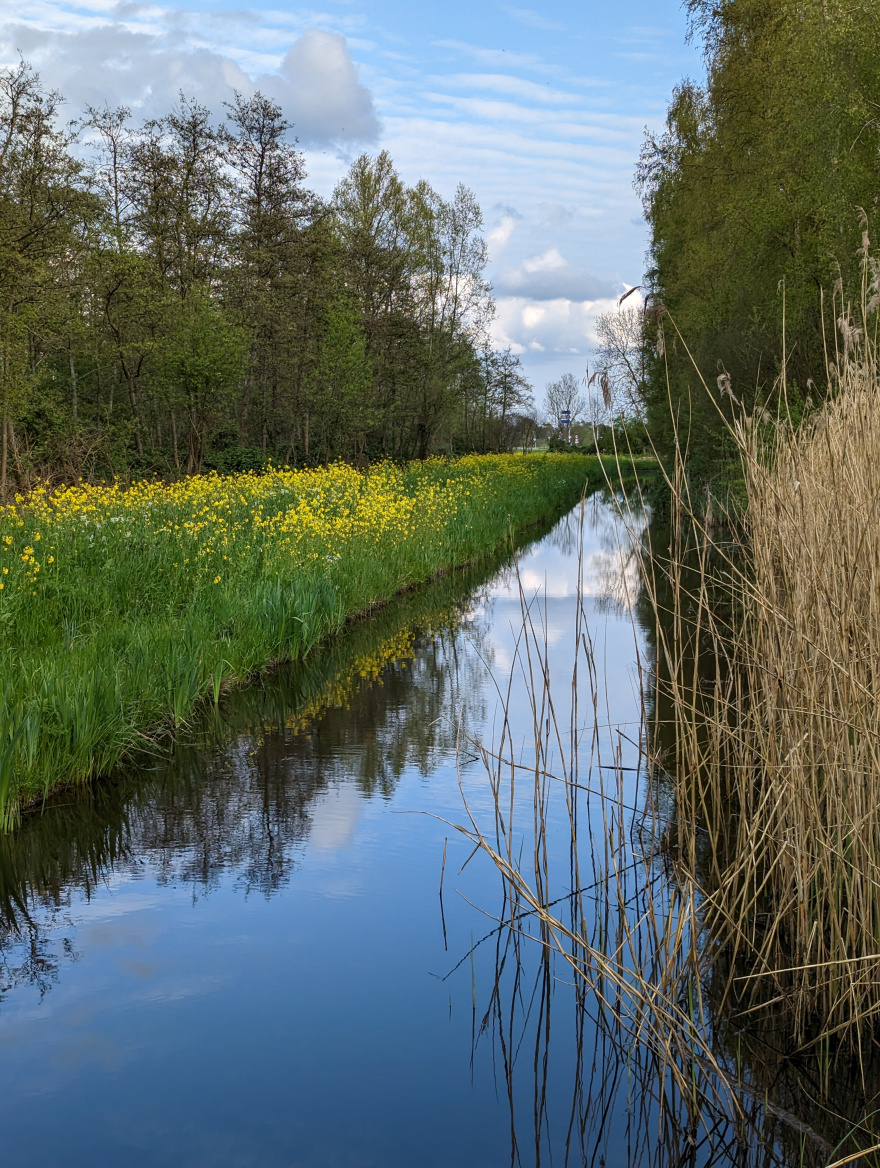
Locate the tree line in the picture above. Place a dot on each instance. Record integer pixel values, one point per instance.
(173, 297)
(762, 200)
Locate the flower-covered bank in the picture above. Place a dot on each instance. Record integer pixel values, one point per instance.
(122, 608)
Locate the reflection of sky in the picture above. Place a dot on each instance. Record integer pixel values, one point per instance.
(335, 816)
(189, 1019)
(548, 580)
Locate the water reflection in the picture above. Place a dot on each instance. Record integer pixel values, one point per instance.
(286, 760)
(237, 956)
(751, 1095)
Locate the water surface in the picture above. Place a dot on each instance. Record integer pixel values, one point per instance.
(238, 957)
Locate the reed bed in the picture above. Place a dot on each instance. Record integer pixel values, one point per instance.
(123, 608)
(770, 665)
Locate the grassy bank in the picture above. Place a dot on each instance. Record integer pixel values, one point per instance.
(121, 609)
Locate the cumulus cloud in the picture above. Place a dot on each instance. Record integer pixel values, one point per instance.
(318, 83)
(556, 328)
(549, 276)
(111, 64)
(499, 237)
(146, 65)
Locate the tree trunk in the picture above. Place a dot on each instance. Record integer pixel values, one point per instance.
(191, 445)
(4, 456)
(132, 397)
(19, 469)
(174, 439)
(245, 413)
(73, 401)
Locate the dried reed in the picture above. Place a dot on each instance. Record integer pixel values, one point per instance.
(771, 663)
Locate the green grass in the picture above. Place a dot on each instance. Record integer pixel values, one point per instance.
(123, 610)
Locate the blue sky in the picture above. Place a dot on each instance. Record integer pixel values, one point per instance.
(541, 111)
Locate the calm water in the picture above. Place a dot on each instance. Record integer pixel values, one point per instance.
(239, 957)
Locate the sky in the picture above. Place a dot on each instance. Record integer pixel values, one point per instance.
(540, 111)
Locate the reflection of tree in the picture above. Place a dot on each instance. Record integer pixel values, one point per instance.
(386, 696)
(613, 568)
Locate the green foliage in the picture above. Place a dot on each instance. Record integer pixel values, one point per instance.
(755, 194)
(199, 363)
(173, 289)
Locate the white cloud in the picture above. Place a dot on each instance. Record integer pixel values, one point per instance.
(561, 329)
(498, 57)
(499, 237)
(549, 276)
(319, 86)
(509, 86)
(143, 56)
(532, 19)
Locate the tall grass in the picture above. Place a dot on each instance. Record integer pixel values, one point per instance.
(771, 662)
(121, 610)
(631, 941)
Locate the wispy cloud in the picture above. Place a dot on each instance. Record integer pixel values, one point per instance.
(510, 86)
(532, 19)
(499, 57)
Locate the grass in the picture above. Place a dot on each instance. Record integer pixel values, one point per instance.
(121, 609)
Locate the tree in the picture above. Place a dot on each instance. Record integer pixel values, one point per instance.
(173, 297)
(564, 395)
(621, 361)
(199, 365)
(264, 281)
(44, 211)
(753, 195)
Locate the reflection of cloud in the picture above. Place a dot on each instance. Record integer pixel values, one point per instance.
(335, 816)
(610, 569)
(556, 587)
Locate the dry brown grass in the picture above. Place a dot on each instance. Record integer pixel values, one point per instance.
(777, 722)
